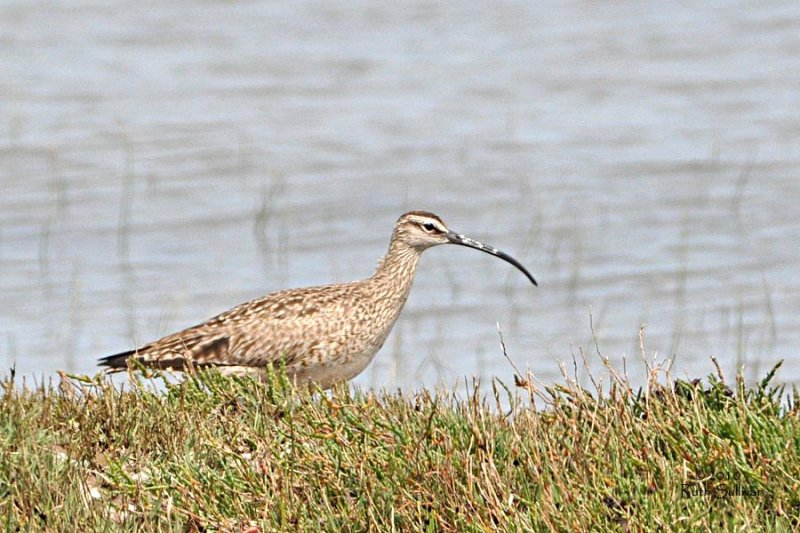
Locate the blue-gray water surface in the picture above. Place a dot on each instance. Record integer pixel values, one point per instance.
(161, 162)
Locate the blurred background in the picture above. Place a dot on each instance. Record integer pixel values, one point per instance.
(161, 162)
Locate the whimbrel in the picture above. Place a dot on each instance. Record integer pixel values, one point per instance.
(321, 335)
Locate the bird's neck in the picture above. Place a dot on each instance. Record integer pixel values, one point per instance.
(396, 270)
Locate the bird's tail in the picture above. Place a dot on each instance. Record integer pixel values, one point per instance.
(118, 361)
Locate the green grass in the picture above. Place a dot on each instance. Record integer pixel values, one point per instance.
(215, 453)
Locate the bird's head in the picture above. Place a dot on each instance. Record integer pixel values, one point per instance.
(421, 230)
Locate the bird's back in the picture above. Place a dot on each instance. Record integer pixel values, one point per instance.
(321, 334)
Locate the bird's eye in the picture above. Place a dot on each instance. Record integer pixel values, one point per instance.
(429, 227)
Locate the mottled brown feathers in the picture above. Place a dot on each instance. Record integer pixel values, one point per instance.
(320, 334)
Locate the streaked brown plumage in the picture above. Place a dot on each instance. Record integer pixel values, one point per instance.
(322, 334)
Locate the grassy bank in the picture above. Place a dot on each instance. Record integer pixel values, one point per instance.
(216, 453)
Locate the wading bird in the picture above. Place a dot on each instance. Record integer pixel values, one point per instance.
(322, 335)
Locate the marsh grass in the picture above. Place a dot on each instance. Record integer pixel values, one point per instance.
(213, 453)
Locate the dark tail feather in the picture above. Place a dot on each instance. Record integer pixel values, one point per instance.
(120, 361)
(215, 350)
(117, 361)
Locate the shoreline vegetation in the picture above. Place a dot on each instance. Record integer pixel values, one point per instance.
(215, 453)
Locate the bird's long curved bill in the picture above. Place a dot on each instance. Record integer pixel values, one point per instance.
(456, 238)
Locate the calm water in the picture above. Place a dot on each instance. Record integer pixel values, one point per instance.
(162, 162)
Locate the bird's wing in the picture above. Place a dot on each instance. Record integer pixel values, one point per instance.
(197, 345)
(285, 326)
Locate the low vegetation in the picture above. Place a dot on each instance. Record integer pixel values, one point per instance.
(213, 453)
